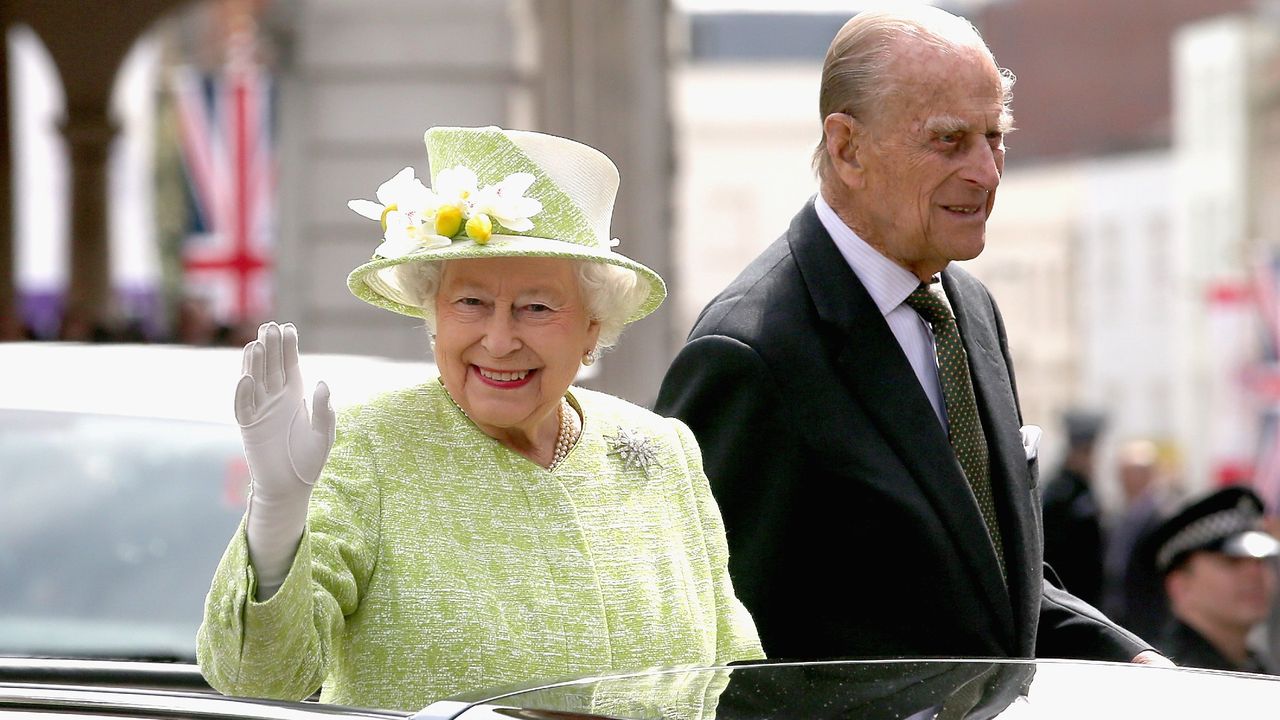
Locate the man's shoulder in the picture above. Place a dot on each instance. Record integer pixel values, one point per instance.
(769, 289)
(965, 287)
(752, 291)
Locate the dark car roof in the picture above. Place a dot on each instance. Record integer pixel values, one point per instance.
(44, 689)
(178, 676)
(34, 689)
(973, 689)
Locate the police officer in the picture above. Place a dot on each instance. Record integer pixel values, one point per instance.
(1219, 578)
(1072, 519)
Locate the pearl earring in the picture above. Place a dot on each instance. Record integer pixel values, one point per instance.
(589, 357)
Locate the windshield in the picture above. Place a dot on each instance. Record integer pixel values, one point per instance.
(110, 529)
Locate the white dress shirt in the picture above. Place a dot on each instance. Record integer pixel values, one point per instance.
(889, 284)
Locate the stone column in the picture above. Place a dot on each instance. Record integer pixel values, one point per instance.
(8, 303)
(89, 131)
(601, 79)
(88, 41)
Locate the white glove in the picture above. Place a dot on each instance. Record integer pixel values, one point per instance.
(284, 446)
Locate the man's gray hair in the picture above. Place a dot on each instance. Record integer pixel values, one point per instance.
(853, 73)
(611, 293)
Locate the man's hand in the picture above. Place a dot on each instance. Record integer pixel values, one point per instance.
(1151, 657)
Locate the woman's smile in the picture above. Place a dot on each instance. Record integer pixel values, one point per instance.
(505, 379)
(510, 336)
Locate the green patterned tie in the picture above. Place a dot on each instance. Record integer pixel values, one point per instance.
(967, 438)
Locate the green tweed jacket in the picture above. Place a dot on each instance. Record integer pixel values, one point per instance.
(436, 561)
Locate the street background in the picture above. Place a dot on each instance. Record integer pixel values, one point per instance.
(179, 171)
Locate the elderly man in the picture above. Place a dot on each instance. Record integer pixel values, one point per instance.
(864, 441)
(1218, 574)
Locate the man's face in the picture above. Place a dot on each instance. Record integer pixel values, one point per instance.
(1228, 591)
(932, 157)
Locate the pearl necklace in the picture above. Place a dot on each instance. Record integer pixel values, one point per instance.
(566, 436)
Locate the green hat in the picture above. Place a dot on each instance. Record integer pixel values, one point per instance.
(495, 193)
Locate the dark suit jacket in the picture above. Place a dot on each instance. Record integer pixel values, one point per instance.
(1073, 535)
(852, 530)
(1182, 644)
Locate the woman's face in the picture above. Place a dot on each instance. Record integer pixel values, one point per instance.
(510, 335)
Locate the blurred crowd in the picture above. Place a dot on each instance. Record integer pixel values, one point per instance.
(192, 323)
(1138, 558)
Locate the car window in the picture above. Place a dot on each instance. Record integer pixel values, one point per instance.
(110, 530)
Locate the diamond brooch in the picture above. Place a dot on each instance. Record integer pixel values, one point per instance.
(635, 451)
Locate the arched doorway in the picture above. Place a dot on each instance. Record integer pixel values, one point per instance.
(100, 225)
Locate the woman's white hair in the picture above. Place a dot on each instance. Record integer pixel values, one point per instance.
(611, 293)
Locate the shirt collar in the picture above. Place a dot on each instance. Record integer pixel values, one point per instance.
(886, 281)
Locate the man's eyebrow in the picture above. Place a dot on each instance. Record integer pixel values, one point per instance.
(1004, 123)
(944, 124)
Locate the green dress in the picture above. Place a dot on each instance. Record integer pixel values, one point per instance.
(437, 561)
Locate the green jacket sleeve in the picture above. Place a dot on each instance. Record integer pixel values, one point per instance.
(282, 648)
(736, 637)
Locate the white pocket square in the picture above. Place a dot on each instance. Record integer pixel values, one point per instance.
(1031, 441)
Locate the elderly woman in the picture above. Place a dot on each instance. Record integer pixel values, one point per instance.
(493, 525)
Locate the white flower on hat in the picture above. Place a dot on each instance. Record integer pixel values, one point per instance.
(415, 217)
(464, 206)
(404, 208)
(505, 202)
(456, 185)
(467, 207)
(403, 193)
(455, 189)
(406, 233)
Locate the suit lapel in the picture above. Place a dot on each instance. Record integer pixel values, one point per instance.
(1001, 420)
(874, 368)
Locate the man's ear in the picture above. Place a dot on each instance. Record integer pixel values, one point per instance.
(845, 137)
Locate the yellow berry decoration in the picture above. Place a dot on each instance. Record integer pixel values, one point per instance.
(448, 220)
(480, 228)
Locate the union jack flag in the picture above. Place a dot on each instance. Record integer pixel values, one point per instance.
(225, 123)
